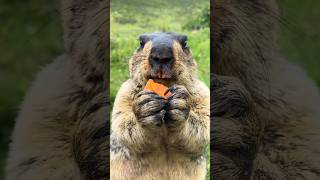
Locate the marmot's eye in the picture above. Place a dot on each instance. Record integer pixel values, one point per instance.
(184, 44)
(141, 43)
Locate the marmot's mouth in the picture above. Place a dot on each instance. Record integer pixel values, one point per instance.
(160, 79)
(161, 74)
(166, 82)
(165, 79)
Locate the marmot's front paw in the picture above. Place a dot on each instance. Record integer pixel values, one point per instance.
(149, 109)
(178, 107)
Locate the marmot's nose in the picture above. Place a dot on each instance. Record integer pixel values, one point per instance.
(161, 53)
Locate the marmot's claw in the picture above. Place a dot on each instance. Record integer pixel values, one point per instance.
(149, 108)
(178, 107)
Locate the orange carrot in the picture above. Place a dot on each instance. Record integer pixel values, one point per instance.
(158, 88)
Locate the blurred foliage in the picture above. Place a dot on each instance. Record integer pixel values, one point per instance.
(31, 36)
(200, 19)
(300, 34)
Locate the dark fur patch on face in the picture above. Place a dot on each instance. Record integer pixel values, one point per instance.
(160, 56)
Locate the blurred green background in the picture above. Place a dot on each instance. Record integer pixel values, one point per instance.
(31, 36)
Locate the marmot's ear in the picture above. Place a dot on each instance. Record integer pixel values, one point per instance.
(182, 38)
(78, 16)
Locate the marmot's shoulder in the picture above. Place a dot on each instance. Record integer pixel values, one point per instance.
(127, 87)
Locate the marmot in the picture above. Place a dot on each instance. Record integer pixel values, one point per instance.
(153, 137)
(61, 131)
(264, 110)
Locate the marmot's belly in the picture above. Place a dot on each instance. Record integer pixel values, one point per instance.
(158, 166)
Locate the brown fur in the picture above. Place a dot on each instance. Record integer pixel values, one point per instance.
(265, 119)
(61, 129)
(143, 152)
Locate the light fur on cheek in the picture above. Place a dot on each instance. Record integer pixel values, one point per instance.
(140, 68)
(185, 66)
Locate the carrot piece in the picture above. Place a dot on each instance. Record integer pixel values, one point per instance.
(158, 88)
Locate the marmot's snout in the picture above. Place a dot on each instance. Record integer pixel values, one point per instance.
(161, 53)
(161, 59)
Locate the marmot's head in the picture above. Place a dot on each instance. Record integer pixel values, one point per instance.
(164, 57)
